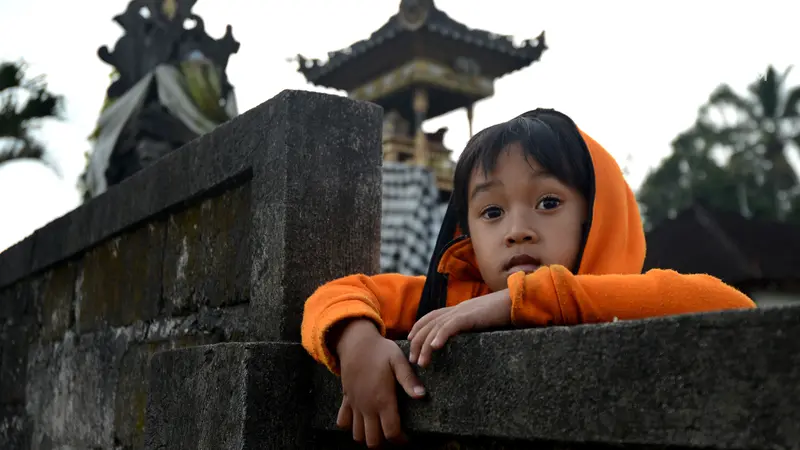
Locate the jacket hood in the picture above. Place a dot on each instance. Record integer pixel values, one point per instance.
(615, 243)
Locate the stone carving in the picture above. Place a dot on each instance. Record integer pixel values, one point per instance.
(163, 32)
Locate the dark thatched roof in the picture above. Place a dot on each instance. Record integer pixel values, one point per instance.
(726, 245)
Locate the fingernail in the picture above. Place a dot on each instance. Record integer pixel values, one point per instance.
(419, 390)
(412, 357)
(435, 343)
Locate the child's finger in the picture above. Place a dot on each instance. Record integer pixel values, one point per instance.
(445, 332)
(344, 419)
(390, 422)
(419, 340)
(415, 347)
(424, 320)
(406, 377)
(372, 430)
(427, 350)
(358, 426)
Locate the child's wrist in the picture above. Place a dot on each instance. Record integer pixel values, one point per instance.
(353, 331)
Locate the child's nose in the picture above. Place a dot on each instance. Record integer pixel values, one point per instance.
(521, 235)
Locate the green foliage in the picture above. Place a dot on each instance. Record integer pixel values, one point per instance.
(23, 104)
(734, 157)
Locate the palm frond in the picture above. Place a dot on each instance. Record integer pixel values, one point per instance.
(11, 124)
(41, 105)
(26, 149)
(18, 149)
(767, 91)
(725, 95)
(791, 109)
(24, 101)
(11, 75)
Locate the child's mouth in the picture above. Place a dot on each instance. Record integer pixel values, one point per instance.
(522, 263)
(527, 268)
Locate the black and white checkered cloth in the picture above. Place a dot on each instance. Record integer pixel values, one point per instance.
(412, 216)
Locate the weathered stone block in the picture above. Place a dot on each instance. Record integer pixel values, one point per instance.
(15, 262)
(56, 299)
(18, 301)
(315, 202)
(229, 396)
(133, 385)
(723, 380)
(14, 344)
(434, 441)
(71, 388)
(120, 280)
(15, 428)
(10, 308)
(207, 257)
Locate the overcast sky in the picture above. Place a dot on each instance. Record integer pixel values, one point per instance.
(631, 73)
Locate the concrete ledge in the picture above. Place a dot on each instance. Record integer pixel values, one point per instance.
(723, 380)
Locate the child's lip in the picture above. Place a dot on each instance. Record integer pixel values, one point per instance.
(522, 262)
(527, 268)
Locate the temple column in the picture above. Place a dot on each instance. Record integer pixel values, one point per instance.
(420, 106)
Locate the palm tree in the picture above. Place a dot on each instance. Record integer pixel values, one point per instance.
(758, 129)
(23, 104)
(734, 157)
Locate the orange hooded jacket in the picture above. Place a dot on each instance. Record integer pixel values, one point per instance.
(609, 284)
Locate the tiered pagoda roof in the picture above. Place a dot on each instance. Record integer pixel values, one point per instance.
(421, 32)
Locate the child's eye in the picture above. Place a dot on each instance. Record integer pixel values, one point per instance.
(492, 212)
(549, 202)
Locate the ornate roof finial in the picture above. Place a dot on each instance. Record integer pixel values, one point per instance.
(414, 13)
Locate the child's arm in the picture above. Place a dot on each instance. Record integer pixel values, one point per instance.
(390, 301)
(554, 296)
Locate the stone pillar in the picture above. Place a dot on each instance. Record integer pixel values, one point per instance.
(316, 202)
(315, 211)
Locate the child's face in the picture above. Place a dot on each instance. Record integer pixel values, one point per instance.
(521, 217)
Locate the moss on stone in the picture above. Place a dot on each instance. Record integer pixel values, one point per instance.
(121, 279)
(207, 253)
(57, 295)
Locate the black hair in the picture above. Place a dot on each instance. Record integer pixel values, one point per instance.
(546, 135)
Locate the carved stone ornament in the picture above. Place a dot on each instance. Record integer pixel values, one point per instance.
(413, 13)
(163, 32)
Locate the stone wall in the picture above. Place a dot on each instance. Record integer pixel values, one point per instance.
(708, 381)
(165, 314)
(217, 242)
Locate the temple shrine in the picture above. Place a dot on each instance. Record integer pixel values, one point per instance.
(419, 65)
(168, 86)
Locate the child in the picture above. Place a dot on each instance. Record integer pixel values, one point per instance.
(542, 229)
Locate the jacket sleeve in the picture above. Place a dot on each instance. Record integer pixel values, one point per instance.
(389, 300)
(554, 296)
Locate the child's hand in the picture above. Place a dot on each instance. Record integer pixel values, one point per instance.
(432, 331)
(370, 364)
